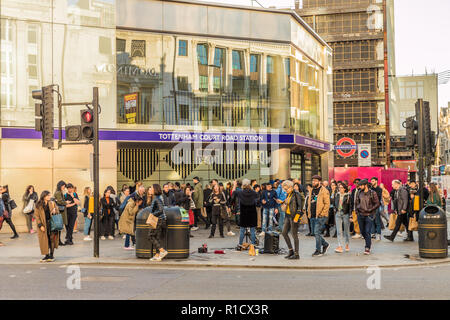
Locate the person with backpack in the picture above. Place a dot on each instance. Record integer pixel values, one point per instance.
(48, 239)
(366, 205)
(30, 197)
(10, 205)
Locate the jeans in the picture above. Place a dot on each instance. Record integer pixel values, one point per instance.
(312, 221)
(87, 226)
(318, 228)
(242, 235)
(376, 226)
(343, 219)
(282, 217)
(365, 226)
(127, 240)
(29, 218)
(267, 219)
(291, 226)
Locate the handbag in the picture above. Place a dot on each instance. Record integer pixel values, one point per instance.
(152, 220)
(413, 224)
(304, 219)
(392, 219)
(12, 204)
(29, 207)
(56, 222)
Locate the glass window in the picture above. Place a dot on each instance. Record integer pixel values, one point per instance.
(32, 34)
(254, 63)
(182, 48)
(202, 53)
(218, 57)
(32, 66)
(121, 45)
(216, 84)
(288, 66)
(203, 84)
(269, 64)
(182, 83)
(237, 63)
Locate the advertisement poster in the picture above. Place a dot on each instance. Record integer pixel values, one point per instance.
(131, 102)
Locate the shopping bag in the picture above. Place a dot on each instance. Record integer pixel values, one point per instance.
(29, 207)
(152, 220)
(355, 222)
(416, 203)
(251, 250)
(392, 219)
(413, 224)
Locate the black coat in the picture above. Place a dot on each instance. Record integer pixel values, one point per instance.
(246, 200)
(345, 204)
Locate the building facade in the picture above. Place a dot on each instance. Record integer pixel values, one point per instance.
(186, 89)
(354, 29)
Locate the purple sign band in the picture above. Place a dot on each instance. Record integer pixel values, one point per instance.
(165, 136)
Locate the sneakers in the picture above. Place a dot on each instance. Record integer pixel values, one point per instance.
(102, 238)
(347, 248)
(124, 237)
(357, 236)
(231, 233)
(32, 231)
(294, 257)
(156, 258)
(50, 258)
(317, 253)
(325, 248)
(163, 254)
(367, 251)
(128, 248)
(44, 259)
(378, 237)
(110, 237)
(194, 228)
(87, 238)
(338, 250)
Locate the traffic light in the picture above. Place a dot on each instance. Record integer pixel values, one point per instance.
(44, 114)
(411, 126)
(87, 124)
(427, 127)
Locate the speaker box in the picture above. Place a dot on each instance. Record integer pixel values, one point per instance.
(271, 242)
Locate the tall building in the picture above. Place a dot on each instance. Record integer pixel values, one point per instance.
(186, 89)
(354, 29)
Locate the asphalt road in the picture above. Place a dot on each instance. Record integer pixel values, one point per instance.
(53, 282)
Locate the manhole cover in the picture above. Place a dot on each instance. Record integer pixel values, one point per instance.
(104, 279)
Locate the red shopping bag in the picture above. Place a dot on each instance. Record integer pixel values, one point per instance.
(191, 217)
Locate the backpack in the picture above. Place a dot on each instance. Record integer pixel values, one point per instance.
(124, 204)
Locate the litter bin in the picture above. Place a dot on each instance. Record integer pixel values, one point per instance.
(433, 233)
(175, 240)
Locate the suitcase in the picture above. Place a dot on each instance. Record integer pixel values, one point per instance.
(271, 242)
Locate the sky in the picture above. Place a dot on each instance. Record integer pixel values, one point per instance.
(422, 38)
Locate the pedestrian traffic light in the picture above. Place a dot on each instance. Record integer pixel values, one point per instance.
(411, 126)
(73, 133)
(44, 114)
(87, 124)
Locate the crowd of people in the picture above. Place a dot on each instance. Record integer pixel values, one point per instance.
(359, 210)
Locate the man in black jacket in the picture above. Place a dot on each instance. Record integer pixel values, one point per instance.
(352, 208)
(208, 206)
(377, 225)
(401, 204)
(168, 196)
(366, 206)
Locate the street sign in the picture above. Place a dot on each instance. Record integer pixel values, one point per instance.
(346, 147)
(364, 155)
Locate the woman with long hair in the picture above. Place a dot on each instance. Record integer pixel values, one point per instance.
(435, 197)
(87, 193)
(342, 205)
(48, 239)
(107, 208)
(29, 198)
(61, 205)
(6, 201)
(217, 202)
(154, 235)
(334, 191)
(127, 222)
(294, 207)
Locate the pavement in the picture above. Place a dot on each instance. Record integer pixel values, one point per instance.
(25, 250)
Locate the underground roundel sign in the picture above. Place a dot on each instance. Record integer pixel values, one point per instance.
(346, 147)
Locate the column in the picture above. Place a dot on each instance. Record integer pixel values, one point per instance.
(281, 164)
